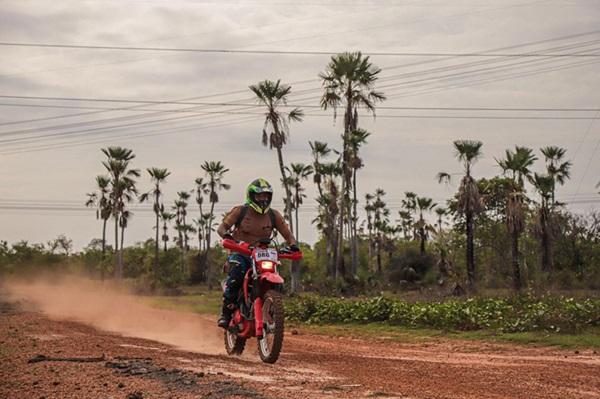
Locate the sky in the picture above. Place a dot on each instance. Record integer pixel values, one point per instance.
(59, 106)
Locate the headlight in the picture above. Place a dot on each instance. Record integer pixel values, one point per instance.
(267, 265)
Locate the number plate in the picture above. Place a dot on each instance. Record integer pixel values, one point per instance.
(266, 254)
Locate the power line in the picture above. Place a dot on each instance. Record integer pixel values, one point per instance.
(289, 52)
(220, 104)
(229, 104)
(120, 137)
(306, 81)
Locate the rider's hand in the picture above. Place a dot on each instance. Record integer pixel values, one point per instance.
(228, 236)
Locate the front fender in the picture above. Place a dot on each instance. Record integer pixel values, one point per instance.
(272, 278)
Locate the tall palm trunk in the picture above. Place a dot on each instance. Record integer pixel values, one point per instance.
(516, 272)
(379, 253)
(156, 209)
(295, 265)
(164, 234)
(354, 231)
(118, 273)
(104, 222)
(121, 251)
(296, 213)
(545, 243)
(422, 239)
(207, 260)
(288, 193)
(470, 250)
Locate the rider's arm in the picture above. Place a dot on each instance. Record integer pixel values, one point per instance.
(228, 221)
(284, 229)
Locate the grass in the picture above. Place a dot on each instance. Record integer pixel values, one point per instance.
(198, 300)
(586, 339)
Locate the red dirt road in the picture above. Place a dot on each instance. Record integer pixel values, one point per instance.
(309, 367)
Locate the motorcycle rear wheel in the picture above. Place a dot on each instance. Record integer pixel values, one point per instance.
(234, 344)
(270, 345)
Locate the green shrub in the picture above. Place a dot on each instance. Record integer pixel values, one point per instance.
(518, 314)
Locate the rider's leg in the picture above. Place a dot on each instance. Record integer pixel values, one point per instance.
(238, 265)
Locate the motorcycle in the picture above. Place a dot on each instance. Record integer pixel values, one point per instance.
(259, 311)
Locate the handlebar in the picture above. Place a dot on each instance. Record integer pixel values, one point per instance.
(246, 249)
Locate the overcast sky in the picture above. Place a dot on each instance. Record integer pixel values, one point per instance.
(50, 155)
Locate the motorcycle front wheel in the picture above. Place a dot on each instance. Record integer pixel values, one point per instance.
(272, 341)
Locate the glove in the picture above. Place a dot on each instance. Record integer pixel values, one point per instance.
(294, 248)
(228, 236)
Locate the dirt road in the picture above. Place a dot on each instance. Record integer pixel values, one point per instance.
(42, 357)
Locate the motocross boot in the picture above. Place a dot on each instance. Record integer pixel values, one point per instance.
(226, 314)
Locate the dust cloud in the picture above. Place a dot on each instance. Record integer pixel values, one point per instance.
(110, 308)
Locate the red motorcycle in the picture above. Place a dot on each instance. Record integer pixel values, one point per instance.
(259, 310)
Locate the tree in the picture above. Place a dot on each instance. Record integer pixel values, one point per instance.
(440, 212)
(298, 172)
(215, 172)
(380, 224)
(468, 198)
(122, 182)
(544, 185)
(349, 81)
(101, 201)
(276, 130)
(357, 138)
(328, 214)
(559, 171)
(409, 204)
(181, 226)
(423, 204)
(369, 210)
(61, 242)
(319, 151)
(157, 176)
(201, 191)
(166, 217)
(123, 224)
(516, 164)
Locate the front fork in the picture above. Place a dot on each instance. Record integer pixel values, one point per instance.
(258, 317)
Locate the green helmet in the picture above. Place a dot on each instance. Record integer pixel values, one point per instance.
(259, 186)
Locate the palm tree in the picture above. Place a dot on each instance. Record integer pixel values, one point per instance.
(122, 185)
(276, 128)
(516, 164)
(298, 172)
(166, 218)
(544, 185)
(101, 201)
(157, 176)
(409, 203)
(349, 81)
(380, 223)
(559, 171)
(329, 205)
(319, 151)
(201, 190)
(369, 209)
(182, 227)
(423, 205)
(357, 138)
(215, 172)
(440, 212)
(469, 200)
(123, 223)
